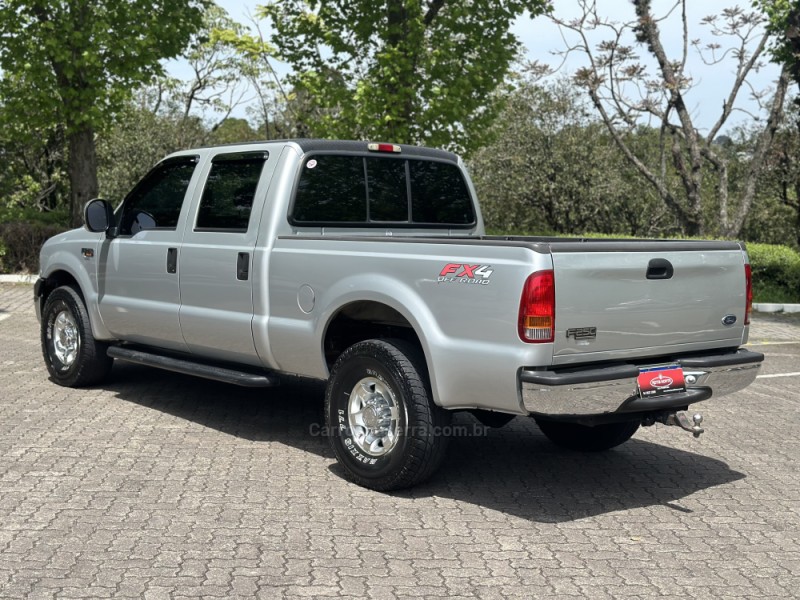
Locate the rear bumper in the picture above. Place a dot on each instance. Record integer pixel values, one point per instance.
(613, 390)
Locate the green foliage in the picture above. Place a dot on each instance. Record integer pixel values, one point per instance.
(233, 131)
(136, 142)
(402, 70)
(70, 65)
(20, 242)
(776, 273)
(31, 172)
(75, 62)
(554, 169)
(781, 15)
(58, 218)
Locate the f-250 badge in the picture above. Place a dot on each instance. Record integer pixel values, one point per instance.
(461, 273)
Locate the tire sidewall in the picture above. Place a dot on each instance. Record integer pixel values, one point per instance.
(59, 301)
(354, 365)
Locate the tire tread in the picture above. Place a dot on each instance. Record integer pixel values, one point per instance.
(93, 362)
(424, 453)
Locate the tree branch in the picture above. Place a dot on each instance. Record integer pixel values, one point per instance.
(760, 154)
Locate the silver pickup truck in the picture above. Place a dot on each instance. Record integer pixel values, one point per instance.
(367, 265)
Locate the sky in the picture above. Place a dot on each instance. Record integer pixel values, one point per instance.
(542, 39)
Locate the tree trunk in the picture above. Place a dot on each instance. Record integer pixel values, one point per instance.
(82, 168)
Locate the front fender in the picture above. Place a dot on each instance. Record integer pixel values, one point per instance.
(61, 259)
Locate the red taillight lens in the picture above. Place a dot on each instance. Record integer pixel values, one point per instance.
(537, 309)
(748, 276)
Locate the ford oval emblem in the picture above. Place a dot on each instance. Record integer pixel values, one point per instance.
(729, 320)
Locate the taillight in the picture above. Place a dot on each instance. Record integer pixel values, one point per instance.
(537, 308)
(748, 277)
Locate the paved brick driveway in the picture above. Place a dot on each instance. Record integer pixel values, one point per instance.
(157, 485)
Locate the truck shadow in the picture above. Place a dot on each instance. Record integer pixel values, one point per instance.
(514, 470)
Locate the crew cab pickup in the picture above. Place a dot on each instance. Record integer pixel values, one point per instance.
(367, 266)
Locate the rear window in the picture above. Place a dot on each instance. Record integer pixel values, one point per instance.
(376, 191)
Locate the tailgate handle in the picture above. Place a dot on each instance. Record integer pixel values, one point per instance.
(659, 268)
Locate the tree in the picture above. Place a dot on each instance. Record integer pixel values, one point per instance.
(783, 24)
(625, 92)
(137, 140)
(401, 70)
(72, 63)
(554, 169)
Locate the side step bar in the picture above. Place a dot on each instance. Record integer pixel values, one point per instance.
(188, 367)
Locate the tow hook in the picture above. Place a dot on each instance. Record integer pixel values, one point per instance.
(679, 419)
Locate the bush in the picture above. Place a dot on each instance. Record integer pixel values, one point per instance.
(776, 273)
(20, 243)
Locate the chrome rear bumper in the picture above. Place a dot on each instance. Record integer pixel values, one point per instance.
(608, 390)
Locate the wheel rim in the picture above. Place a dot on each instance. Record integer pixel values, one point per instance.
(66, 340)
(373, 416)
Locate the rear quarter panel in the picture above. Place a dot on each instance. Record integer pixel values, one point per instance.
(468, 330)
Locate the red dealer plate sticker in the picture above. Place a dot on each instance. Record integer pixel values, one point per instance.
(658, 381)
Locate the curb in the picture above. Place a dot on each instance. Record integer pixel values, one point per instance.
(31, 278)
(766, 307)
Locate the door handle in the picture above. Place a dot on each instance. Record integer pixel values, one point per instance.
(659, 268)
(243, 266)
(172, 260)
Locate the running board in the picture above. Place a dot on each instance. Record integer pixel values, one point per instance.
(188, 367)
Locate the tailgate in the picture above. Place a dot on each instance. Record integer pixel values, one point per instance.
(667, 298)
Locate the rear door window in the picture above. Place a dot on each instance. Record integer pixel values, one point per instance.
(229, 191)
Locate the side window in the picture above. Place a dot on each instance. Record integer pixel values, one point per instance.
(155, 202)
(229, 191)
(331, 190)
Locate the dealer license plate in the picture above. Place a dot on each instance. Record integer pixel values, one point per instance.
(658, 381)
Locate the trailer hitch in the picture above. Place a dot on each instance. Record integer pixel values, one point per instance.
(679, 419)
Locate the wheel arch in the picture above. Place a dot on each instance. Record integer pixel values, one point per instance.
(361, 320)
(61, 274)
(355, 320)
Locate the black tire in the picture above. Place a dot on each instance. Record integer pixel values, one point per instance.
(391, 373)
(87, 363)
(588, 439)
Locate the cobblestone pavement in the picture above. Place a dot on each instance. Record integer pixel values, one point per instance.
(157, 485)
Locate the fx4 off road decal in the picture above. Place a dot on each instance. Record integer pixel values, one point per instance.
(461, 273)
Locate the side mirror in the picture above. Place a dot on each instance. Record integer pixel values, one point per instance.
(98, 216)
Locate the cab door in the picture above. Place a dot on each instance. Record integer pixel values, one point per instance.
(139, 290)
(216, 275)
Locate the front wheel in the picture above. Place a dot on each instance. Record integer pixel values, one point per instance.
(574, 436)
(72, 355)
(383, 426)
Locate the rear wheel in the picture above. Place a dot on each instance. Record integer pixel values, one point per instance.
(72, 355)
(588, 439)
(382, 424)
